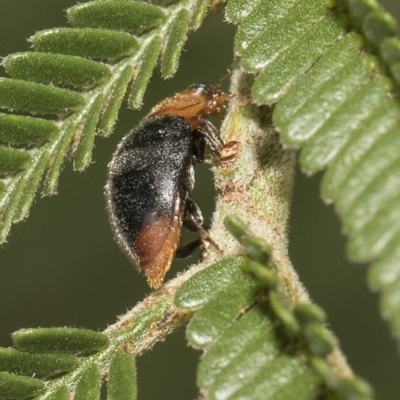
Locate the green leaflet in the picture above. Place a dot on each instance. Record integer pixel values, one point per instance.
(61, 393)
(13, 160)
(2, 188)
(34, 97)
(89, 43)
(176, 40)
(379, 25)
(309, 313)
(352, 388)
(281, 73)
(347, 119)
(260, 50)
(386, 270)
(206, 284)
(239, 10)
(390, 50)
(320, 341)
(122, 383)
(35, 175)
(318, 109)
(256, 247)
(65, 340)
(10, 203)
(114, 101)
(361, 8)
(83, 153)
(88, 387)
(281, 377)
(223, 290)
(327, 67)
(56, 69)
(200, 10)
(262, 371)
(252, 328)
(361, 206)
(390, 303)
(149, 61)
(18, 129)
(126, 16)
(54, 167)
(354, 160)
(282, 311)
(24, 363)
(376, 234)
(214, 317)
(18, 387)
(395, 70)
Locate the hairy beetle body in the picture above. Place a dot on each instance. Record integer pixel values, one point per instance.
(151, 177)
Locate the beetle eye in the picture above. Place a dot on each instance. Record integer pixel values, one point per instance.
(202, 88)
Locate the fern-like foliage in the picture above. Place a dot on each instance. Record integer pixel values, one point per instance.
(336, 88)
(77, 78)
(333, 72)
(257, 343)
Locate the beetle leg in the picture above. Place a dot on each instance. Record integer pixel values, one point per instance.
(196, 216)
(212, 133)
(190, 225)
(194, 212)
(213, 147)
(211, 138)
(199, 145)
(187, 249)
(195, 224)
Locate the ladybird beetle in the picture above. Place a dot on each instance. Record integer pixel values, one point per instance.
(150, 178)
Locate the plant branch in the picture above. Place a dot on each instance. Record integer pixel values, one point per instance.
(256, 185)
(257, 188)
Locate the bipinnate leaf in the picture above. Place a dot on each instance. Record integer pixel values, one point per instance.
(249, 344)
(335, 98)
(274, 345)
(247, 353)
(106, 357)
(78, 78)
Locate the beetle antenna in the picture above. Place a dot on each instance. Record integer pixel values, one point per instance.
(224, 75)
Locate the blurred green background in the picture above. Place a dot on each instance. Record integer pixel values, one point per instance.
(61, 267)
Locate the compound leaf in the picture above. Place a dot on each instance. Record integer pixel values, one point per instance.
(333, 72)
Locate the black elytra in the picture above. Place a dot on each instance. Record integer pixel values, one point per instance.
(151, 176)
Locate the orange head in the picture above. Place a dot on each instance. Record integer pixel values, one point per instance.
(195, 103)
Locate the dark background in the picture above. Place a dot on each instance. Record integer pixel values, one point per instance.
(62, 268)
